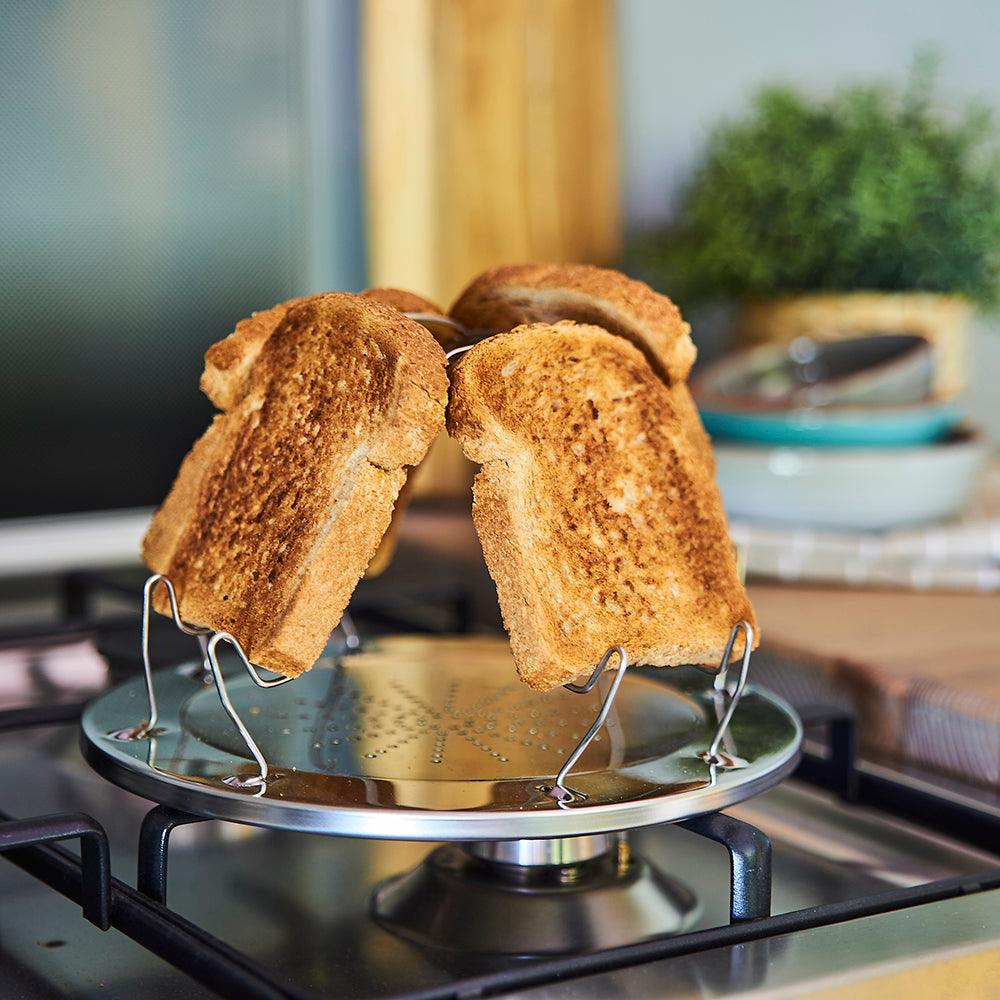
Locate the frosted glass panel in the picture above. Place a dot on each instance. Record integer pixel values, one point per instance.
(160, 169)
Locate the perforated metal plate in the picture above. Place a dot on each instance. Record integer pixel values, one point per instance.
(436, 739)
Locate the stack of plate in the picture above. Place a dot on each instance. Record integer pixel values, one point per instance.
(845, 434)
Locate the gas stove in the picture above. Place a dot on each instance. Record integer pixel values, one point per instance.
(848, 870)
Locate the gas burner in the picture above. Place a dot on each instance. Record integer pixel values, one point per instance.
(533, 898)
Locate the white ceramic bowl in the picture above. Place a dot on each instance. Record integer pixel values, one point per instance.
(867, 489)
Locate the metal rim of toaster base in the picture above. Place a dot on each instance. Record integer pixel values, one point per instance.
(335, 806)
(380, 824)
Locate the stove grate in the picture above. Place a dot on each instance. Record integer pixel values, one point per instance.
(230, 972)
(95, 855)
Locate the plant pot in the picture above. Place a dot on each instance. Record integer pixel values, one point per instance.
(942, 319)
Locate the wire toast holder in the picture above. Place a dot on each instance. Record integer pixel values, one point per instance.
(726, 701)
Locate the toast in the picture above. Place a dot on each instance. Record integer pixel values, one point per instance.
(228, 362)
(509, 296)
(435, 318)
(279, 507)
(402, 300)
(599, 523)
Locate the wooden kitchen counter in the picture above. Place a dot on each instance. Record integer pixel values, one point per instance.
(921, 670)
(953, 638)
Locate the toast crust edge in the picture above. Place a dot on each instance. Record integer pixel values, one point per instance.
(293, 639)
(517, 294)
(543, 659)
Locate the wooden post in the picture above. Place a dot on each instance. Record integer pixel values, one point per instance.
(490, 136)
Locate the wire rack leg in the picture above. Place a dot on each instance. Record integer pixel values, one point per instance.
(558, 790)
(237, 781)
(564, 795)
(352, 640)
(720, 684)
(208, 642)
(147, 728)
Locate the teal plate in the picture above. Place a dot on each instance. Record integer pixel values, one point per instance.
(835, 426)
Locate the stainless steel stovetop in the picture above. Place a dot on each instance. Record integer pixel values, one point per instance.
(299, 904)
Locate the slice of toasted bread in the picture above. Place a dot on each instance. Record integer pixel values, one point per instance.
(279, 507)
(527, 293)
(446, 332)
(598, 523)
(228, 363)
(401, 299)
(523, 293)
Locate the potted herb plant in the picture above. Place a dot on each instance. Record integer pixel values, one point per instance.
(868, 211)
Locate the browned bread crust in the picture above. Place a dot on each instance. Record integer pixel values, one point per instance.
(527, 293)
(279, 507)
(445, 335)
(227, 365)
(599, 522)
(402, 300)
(228, 362)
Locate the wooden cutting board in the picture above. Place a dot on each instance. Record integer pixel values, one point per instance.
(490, 137)
(921, 669)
